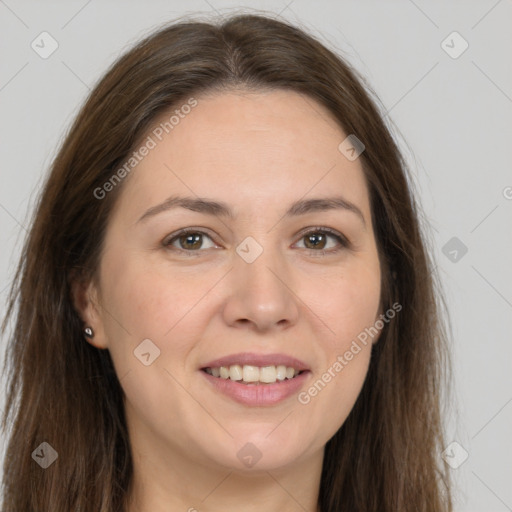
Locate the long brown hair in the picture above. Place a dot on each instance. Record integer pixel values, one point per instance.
(62, 390)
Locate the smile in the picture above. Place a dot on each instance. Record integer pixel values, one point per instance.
(249, 374)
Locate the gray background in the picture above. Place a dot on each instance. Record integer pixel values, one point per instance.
(451, 117)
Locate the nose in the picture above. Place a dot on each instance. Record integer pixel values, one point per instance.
(261, 294)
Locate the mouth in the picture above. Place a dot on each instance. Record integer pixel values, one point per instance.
(256, 386)
(256, 380)
(252, 375)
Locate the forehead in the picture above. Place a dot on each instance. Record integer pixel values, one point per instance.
(245, 148)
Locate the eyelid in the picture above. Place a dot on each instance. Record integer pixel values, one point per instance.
(324, 229)
(185, 231)
(166, 242)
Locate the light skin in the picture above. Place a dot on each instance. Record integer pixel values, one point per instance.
(258, 152)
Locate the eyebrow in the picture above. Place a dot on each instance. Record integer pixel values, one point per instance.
(218, 208)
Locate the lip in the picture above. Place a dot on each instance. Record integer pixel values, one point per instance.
(257, 395)
(254, 359)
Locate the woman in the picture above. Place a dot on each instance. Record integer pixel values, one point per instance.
(225, 300)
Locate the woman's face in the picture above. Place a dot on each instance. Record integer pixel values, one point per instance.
(260, 287)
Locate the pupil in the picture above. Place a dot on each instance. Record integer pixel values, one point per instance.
(309, 237)
(190, 238)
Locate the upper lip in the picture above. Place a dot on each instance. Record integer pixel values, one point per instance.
(250, 358)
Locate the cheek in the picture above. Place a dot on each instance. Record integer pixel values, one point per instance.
(355, 312)
(348, 303)
(349, 310)
(330, 398)
(169, 306)
(150, 301)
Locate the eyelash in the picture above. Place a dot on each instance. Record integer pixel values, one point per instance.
(344, 243)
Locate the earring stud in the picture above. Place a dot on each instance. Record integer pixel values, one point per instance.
(89, 332)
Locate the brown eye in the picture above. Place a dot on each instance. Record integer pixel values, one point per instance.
(317, 240)
(188, 241)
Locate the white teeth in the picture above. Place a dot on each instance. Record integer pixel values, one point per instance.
(235, 372)
(268, 374)
(281, 372)
(249, 373)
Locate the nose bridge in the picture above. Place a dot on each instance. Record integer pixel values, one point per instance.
(261, 292)
(258, 263)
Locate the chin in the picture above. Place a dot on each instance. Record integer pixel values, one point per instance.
(253, 450)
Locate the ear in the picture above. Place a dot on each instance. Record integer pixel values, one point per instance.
(85, 297)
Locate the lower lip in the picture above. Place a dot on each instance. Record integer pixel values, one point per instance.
(258, 394)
